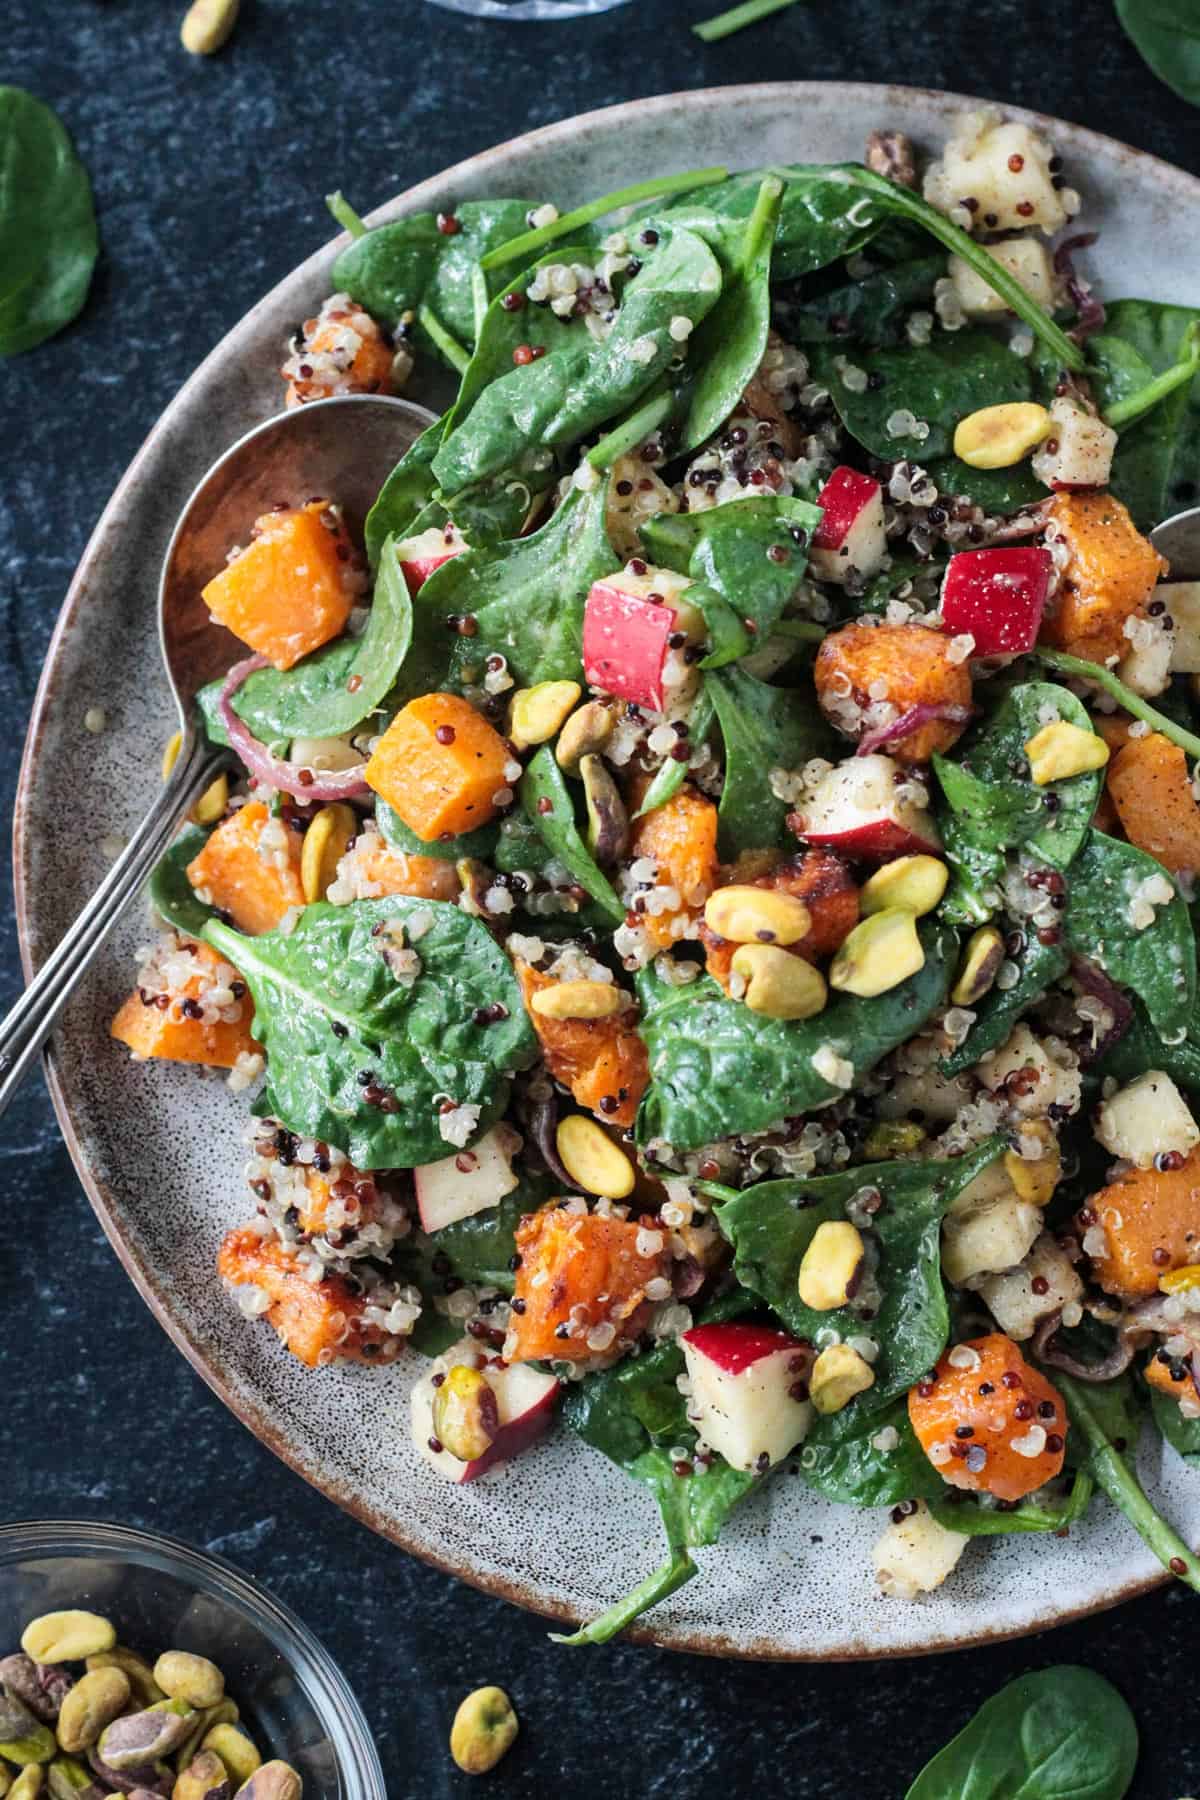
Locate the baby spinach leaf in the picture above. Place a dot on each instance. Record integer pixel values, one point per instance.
(763, 728)
(526, 596)
(729, 345)
(1141, 1048)
(329, 1010)
(996, 490)
(480, 843)
(48, 241)
(1182, 1434)
(973, 1517)
(841, 1460)
(544, 782)
(478, 1249)
(751, 552)
(1157, 961)
(871, 312)
(635, 1414)
(771, 1226)
(405, 494)
(330, 692)
(1061, 1734)
(411, 262)
(583, 382)
(1156, 467)
(819, 221)
(1000, 806)
(172, 894)
(975, 892)
(1038, 968)
(1166, 35)
(719, 1070)
(939, 383)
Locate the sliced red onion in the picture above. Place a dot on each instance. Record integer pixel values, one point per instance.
(1089, 311)
(1135, 1330)
(1030, 521)
(908, 722)
(1093, 980)
(273, 771)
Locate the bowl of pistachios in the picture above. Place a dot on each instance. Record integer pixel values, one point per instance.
(131, 1664)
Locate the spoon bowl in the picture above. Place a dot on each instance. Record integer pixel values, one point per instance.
(1178, 539)
(344, 449)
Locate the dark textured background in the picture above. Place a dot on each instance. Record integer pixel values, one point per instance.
(208, 180)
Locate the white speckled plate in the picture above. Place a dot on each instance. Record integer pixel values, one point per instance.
(158, 1148)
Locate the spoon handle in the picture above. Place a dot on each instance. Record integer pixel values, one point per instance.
(30, 1021)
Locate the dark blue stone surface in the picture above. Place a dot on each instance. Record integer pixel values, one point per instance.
(209, 179)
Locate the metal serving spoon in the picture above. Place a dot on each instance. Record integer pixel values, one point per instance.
(1178, 539)
(343, 447)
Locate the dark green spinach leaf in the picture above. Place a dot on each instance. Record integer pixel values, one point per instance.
(1157, 961)
(1038, 968)
(1061, 1734)
(841, 1461)
(763, 728)
(938, 383)
(479, 844)
(48, 241)
(1156, 467)
(751, 552)
(772, 1224)
(328, 1009)
(1166, 35)
(543, 781)
(871, 312)
(1182, 1434)
(172, 894)
(973, 1516)
(1140, 1048)
(719, 1070)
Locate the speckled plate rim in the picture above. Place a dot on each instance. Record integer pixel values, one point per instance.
(940, 106)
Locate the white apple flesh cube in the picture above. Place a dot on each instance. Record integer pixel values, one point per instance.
(987, 1236)
(1012, 1299)
(628, 622)
(1027, 261)
(525, 1400)
(863, 807)
(419, 556)
(915, 1554)
(1182, 601)
(469, 1181)
(1004, 170)
(749, 1397)
(1145, 1119)
(1078, 452)
(851, 536)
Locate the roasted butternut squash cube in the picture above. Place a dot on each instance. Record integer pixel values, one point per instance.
(989, 1421)
(293, 586)
(250, 869)
(440, 766)
(1151, 1224)
(602, 1061)
(1151, 788)
(681, 837)
(581, 1286)
(1111, 573)
(906, 667)
(170, 1023)
(318, 1321)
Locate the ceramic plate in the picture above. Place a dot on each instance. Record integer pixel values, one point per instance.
(159, 1149)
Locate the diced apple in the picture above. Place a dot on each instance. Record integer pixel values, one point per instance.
(1049, 1071)
(1000, 176)
(988, 1236)
(628, 622)
(749, 1396)
(469, 1181)
(1146, 1118)
(998, 596)
(1146, 668)
(864, 808)
(525, 1399)
(1027, 261)
(419, 556)
(915, 1554)
(1182, 601)
(1018, 1299)
(851, 534)
(1079, 450)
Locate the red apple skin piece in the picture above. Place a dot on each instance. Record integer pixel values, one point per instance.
(875, 840)
(419, 556)
(851, 503)
(855, 810)
(625, 644)
(998, 596)
(517, 1432)
(735, 1345)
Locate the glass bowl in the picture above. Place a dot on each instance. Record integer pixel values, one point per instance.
(161, 1594)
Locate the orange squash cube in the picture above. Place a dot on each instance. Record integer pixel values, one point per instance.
(380, 869)
(157, 1025)
(1151, 1219)
(1111, 573)
(1012, 1420)
(440, 765)
(579, 1274)
(238, 871)
(906, 665)
(293, 586)
(318, 1321)
(602, 1061)
(1150, 786)
(681, 837)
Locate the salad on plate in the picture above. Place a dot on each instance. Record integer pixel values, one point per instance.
(701, 906)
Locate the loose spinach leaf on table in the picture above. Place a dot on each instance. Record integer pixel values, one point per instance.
(48, 241)
(1182, 1434)
(1060, 1734)
(1038, 968)
(753, 553)
(772, 1224)
(330, 692)
(1166, 35)
(172, 894)
(763, 728)
(410, 263)
(939, 383)
(1157, 961)
(871, 312)
(841, 1460)
(635, 1414)
(1156, 467)
(583, 382)
(479, 843)
(328, 1009)
(718, 1070)
(526, 596)
(542, 782)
